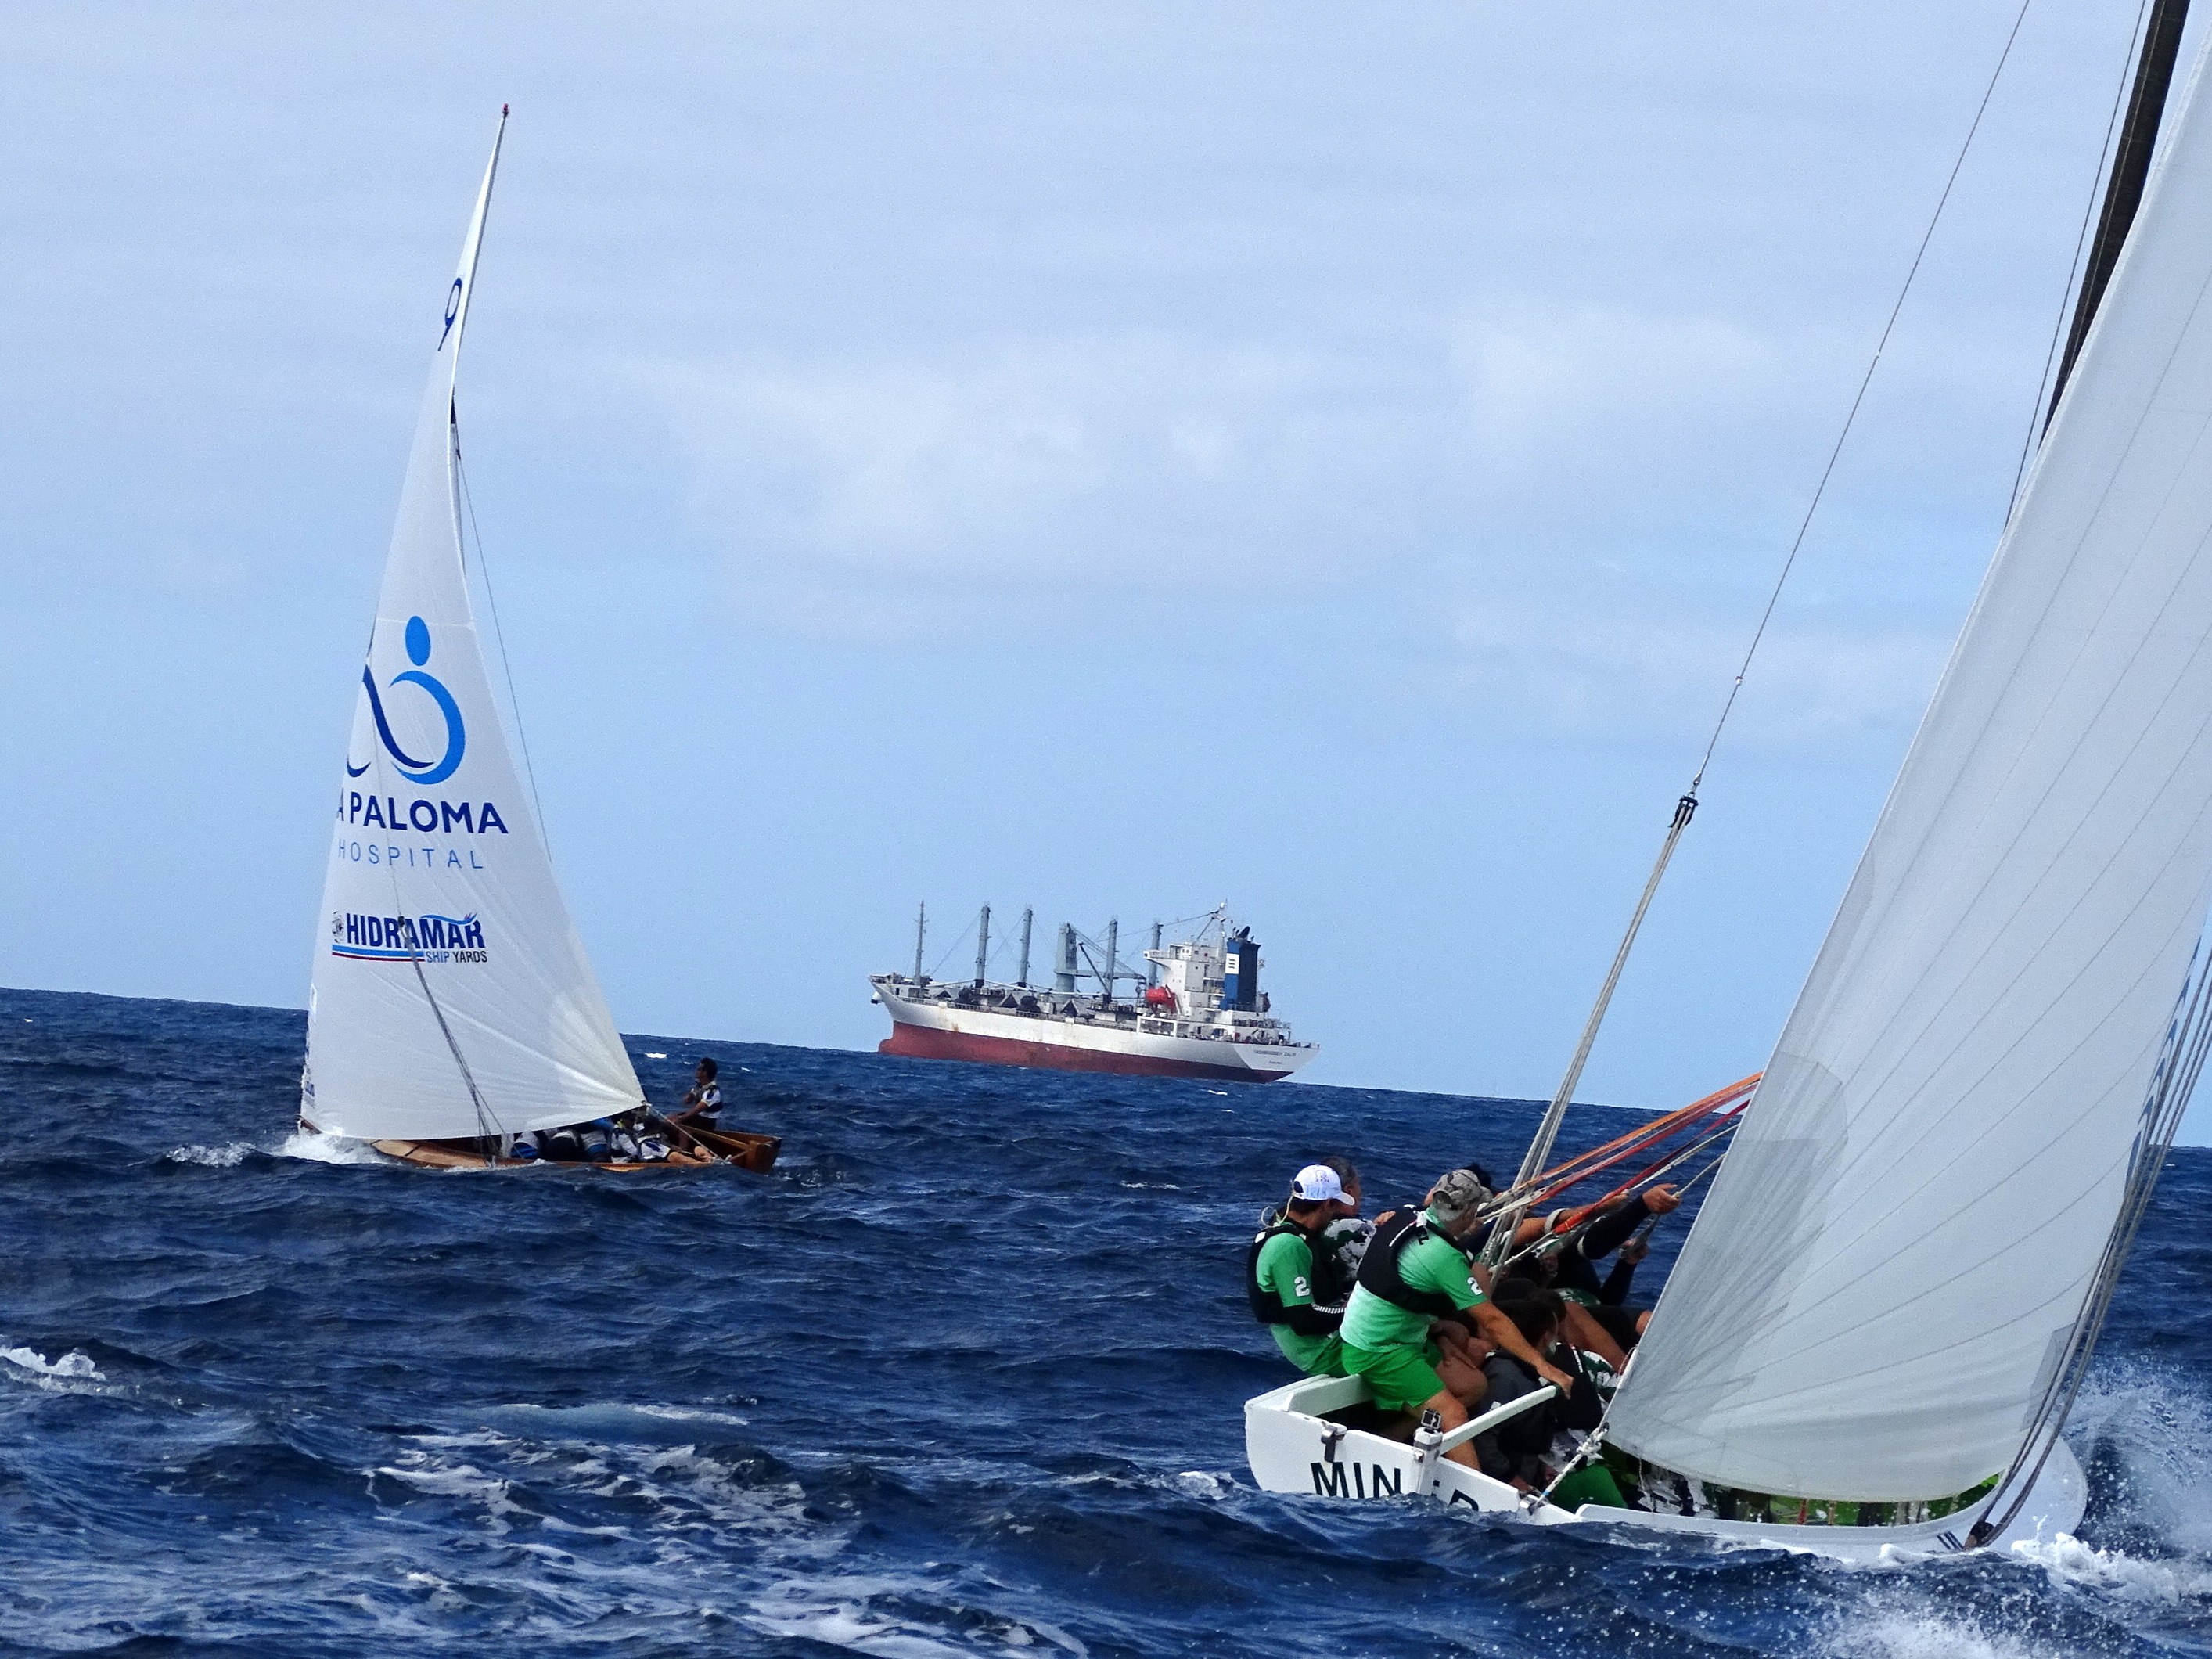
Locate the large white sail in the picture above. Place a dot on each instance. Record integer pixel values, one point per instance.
(1884, 1275)
(451, 996)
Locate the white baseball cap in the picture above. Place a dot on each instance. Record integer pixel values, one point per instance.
(1314, 1183)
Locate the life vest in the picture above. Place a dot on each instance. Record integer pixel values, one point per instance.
(1378, 1268)
(1267, 1307)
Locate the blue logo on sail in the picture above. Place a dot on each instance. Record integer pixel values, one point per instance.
(452, 310)
(407, 939)
(414, 770)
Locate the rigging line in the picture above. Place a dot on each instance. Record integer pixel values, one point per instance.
(1597, 1210)
(486, 1127)
(2036, 421)
(1547, 1132)
(499, 634)
(966, 933)
(1865, 381)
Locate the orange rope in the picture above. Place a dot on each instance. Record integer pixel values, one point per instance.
(1580, 1167)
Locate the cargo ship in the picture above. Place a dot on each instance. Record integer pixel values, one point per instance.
(1195, 1008)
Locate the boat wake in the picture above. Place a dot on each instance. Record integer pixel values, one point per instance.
(319, 1147)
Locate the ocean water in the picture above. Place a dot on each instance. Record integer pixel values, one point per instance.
(964, 1375)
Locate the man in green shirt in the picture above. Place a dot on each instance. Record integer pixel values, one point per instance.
(1279, 1274)
(1414, 1271)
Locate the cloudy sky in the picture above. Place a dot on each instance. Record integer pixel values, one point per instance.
(1115, 458)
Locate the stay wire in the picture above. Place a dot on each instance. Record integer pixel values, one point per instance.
(1850, 418)
(1554, 1115)
(498, 636)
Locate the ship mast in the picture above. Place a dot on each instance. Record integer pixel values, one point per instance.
(1027, 913)
(2131, 171)
(920, 932)
(982, 946)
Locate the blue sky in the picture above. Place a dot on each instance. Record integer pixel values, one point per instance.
(1116, 460)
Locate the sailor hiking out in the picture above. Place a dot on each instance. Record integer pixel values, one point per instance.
(1283, 1268)
(1415, 1279)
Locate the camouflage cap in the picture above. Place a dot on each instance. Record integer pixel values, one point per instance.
(1456, 1193)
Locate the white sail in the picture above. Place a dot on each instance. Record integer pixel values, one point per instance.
(1883, 1276)
(451, 996)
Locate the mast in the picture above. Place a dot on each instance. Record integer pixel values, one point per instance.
(1113, 941)
(982, 946)
(1152, 978)
(1063, 974)
(2131, 169)
(920, 932)
(1547, 1132)
(1024, 981)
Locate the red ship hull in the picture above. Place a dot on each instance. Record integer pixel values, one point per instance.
(925, 1043)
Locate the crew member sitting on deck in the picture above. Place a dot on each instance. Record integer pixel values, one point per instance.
(1279, 1273)
(1342, 1241)
(1527, 1450)
(1575, 1277)
(703, 1103)
(1415, 1273)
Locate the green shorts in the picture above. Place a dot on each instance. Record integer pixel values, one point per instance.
(1400, 1378)
(1593, 1483)
(1316, 1356)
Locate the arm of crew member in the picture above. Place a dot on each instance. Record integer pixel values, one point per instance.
(1497, 1329)
(1309, 1320)
(1501, 1331)
(1605, 1234)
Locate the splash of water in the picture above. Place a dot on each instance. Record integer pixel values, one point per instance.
(75, 1364)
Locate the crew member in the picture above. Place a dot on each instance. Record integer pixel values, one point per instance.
(1279, 1275)
(1415, 1272)
(1575, 1276)
(1519, 1449)
(1343, 1241)
(702, 1101)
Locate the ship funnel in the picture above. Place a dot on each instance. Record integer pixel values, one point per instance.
(1240, 971)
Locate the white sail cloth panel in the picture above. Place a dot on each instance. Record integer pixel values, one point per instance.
(1881, 1281)
(440, 899)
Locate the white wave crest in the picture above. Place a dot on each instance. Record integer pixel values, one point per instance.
(834, 1611)
(462, 1481)
(321, 1148)
(67, 1374)
(74, 1364)
(2144, 1439)
(215, 1158)
(2078, 1565)
(1927, 1635)
(1198, 1483)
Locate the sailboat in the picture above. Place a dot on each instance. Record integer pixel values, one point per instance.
(453, 1014)
(1891, 1296)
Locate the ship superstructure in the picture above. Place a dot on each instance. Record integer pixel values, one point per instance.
(1195, 1010)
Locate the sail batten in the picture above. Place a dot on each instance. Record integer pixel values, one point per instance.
(451, 997)
(1919, 1197)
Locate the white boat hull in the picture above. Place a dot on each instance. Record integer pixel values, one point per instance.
(924, 1028)
(1293, 1448)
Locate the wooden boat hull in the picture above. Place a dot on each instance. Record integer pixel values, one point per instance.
(743, 1148)
(755, 1152)
(1294, 1447)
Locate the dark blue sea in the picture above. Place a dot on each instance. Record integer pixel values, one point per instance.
(964, 1375)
